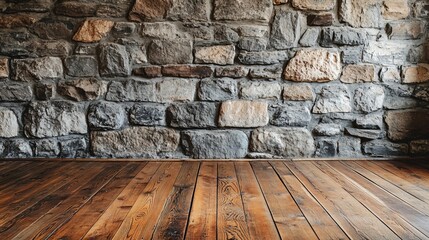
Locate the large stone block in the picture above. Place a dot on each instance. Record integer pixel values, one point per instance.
(189, 10)
(382, 148)
(326, 147)
(419, 147)
(182, 90)
(241, 113)
(285, 30)
(260, 90)
(317, 5)
(313, 65)
(385, 53)
(416, 74)
(286, 142)
(406, 30)
(220, 54)
(144, 10)
(349, 147)
(215, 144)
(93, 30)
(192, 115)
(407, 124)
(358, 73)
(81, 66)
(369, 98)
(298, 92)
(334, 98)
(363, 13)
(51, 119)
(259, 10)
(106, 116)
(217, 90)
(343, 36)
(131, 90)
(82, 90)
(36, 69)
(150, 114)
(177, 51)
(114, 60)
(15, 92)
(395, 9)
(290, 116)
(8, 123)
(134, 141)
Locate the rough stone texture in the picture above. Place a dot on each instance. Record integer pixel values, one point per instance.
(317, 5)
(327, 129)
(260, 90)
(81, 66)
(17, 149)
(314, 65)
(364, 13)
(286, 142)
(176, 90)
(326, 147)
(359, 73)
(217, 90)
(349, 147)
(241, 113)
(310, 38)
(4, 68)
(419, 147)
(144, 10)
(285, 30)
(82, 90)
(18, 20)
(343, 36)
(45, 91)
(170, 52)
(72, 148)
(405, 30)
(216, 144)
(50, 119)
(221, 54)
(131, 90)
(369, 98)
(385, 53)
(114, 60)
(390, 74)
(370, 121)
(192, 115)
(134, 141)
(46, 148)
(407, 124)
(416, 74)
(334, 98)
(351, 55)
(395, 9)
(15, 92)
(148, 71)
(148, 115)
(263, 58)
(36, 69)
(364, 133)
(298, 92)
(8, 123)
(231, 71)
(265, 73)
(75, 9)
(321, 19)
(290, 116)
(259, 10)
(93, 30)
(189, 10)
(381, 148)
(187, 71)
(106, 116)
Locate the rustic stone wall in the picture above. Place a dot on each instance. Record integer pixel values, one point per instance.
(214, 78)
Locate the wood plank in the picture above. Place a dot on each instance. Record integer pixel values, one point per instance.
(140, 221)
(23, 198)
(23, 173)
(371, 201)
(85, 218)
(173, 219)
(38, 209)
(9, 166)
(289, 219)
(258, 216)
(54, 218)
(108, 224)
(413, 216)
(413, 201)
(323, 225)
(356, 221)
(402, 183)
(231, 219)
(409, 171)
(202, 219)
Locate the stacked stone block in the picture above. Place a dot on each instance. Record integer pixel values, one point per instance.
(214, 79)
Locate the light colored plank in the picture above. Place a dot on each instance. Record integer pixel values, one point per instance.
(202, 219)
(231, 223)
(107, 225)
(174, 217)
(258, 217)
(321, 222)
(140, 221)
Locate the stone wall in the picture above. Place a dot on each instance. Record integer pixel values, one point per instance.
(214, 78)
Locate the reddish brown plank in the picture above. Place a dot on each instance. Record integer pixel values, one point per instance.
(85, 218)
(231, 219)
(173, 219)
(258, 217)
(322, 223)
(202, 219)
(408, 171)
(140, 221)
(107, 225)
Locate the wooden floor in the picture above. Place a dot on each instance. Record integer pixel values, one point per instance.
(209, 200)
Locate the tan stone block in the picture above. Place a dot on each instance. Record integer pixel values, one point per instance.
(93, 30)
(416, 74)
(358, 73)
(241, 113)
